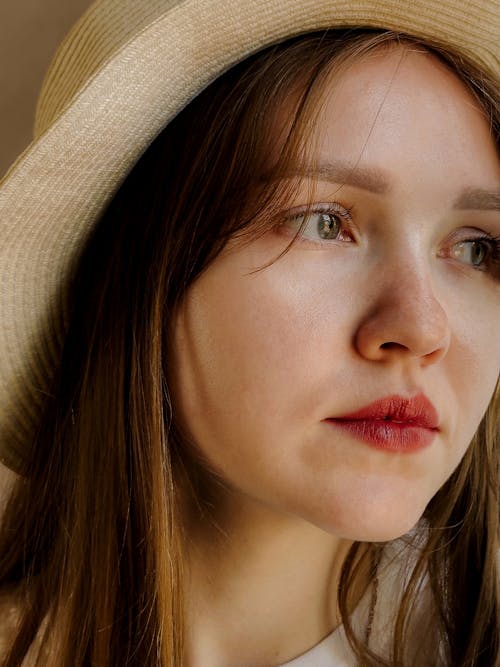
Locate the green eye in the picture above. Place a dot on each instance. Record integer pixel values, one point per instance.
(327, 223)
(478, 253)
(473, 252)
(329, 226)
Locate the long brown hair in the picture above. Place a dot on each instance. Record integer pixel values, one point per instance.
(92, 539)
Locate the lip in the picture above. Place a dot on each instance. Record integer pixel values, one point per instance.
(393, 423)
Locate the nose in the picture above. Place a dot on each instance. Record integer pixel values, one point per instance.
(405, 320)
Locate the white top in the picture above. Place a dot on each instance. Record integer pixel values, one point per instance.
(333, 651)
(395, 565)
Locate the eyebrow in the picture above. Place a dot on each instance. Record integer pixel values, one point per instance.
(478, 199)
(366, 178)
(374, 180)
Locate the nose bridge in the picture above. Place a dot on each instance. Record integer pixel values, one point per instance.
(405, 315)
(410, 289)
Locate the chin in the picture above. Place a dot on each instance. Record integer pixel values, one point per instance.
(371, 522)
(384, 533)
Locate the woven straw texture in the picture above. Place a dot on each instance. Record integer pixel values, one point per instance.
(126, 68)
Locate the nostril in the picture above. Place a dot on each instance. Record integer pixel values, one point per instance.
(391, 346)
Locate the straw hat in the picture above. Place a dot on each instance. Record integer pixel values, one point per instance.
(124, 71)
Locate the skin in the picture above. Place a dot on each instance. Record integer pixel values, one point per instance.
(394, 305)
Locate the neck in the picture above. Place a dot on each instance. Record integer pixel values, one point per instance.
(262, 586)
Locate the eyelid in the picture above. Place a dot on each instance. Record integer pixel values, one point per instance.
(335, 207)
(468, 231)
(321, 207)
(473, 234)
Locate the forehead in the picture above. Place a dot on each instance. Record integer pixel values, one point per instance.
(400, 109)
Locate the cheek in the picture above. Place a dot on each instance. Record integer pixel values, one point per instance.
(473, 364)
(255, 354)
(255, 341)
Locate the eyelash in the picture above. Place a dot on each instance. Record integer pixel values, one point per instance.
(490, 264)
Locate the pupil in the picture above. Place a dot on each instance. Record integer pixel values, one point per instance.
(328, 226)
(478, 253)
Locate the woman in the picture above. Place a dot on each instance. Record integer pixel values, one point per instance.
(251, 394)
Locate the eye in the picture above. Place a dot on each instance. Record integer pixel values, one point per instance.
(482, 253)
(326, 223)
(472, 252)
(475, 251)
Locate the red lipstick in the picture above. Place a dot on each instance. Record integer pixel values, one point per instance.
(393, 423)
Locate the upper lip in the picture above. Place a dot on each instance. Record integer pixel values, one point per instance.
(415, 411)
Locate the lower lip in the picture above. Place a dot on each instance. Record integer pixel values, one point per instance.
(387, 435)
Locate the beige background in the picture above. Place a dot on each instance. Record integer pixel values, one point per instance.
(30, 31)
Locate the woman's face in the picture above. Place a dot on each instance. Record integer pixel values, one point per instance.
(390, 291)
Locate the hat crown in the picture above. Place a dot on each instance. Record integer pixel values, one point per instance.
(108, 25)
